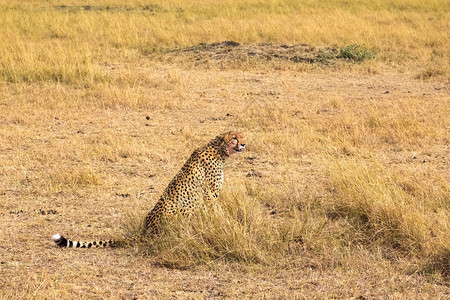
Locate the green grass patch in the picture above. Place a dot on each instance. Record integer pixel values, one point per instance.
(356, 53)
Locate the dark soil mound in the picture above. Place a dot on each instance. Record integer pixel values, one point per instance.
(233, 51)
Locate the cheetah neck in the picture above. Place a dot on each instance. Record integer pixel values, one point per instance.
(218, 147)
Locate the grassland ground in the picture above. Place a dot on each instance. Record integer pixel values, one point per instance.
(343, 189)
(81, 161)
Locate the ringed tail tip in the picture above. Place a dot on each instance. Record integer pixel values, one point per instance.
(56, 237)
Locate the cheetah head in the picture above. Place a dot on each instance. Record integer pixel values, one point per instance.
(233, 142)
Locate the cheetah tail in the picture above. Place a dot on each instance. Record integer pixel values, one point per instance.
(63, 242)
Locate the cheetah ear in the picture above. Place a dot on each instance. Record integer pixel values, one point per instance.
(228, 136)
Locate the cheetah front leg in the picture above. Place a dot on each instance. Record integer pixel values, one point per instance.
(210, 197)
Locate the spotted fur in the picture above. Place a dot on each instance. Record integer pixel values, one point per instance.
(198, 183)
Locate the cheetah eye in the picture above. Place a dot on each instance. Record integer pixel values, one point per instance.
(235, 138)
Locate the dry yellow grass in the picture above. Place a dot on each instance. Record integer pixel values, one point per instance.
(343, 190)
(69, 42)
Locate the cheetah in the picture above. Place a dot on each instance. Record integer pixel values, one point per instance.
(197, 184)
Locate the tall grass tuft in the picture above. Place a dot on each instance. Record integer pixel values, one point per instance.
(384, 213)
(239, 229)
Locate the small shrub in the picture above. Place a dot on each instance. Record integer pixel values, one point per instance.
(325, 55)
(356, 53)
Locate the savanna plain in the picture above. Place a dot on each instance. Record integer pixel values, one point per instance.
(342, 191)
